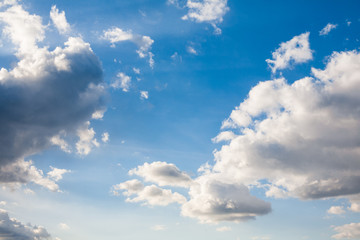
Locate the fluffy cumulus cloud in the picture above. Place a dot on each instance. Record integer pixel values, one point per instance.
(295, 51)
(12, 229)
(163, 174)
(122, 81)
(87, 140)
(327, 29)
(148, 195)
(116, 35)
(296, 140)
(22, 172)
(59, 20)
(210, 11)
(336, 210)
(213, 201)
(47, 93)
(300, 137)
(347, 231)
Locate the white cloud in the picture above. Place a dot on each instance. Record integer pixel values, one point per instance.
(158, 227)
(326, 30)
(59, 20)
(144, 94)
(213, 201)
(12, 229)
(163, 174)
(64, 226)
(191, 50)
(300, 137)
(136, 70)
(122, 81)
(56, 173)
(98, 114)
(22, 172)
(347, 231)
(7, 2)
(223, 229)
(87, 140)
(336, 210)
(105, 137)
(148, 195)
(58, 141)
(224, 136)
(354, 207)
(295, 51)
(116, 35)
(210, 11)
(51, 93)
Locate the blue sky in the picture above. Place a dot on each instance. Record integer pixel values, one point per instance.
(211, 119)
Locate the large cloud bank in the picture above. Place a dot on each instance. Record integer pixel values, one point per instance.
(47, 92)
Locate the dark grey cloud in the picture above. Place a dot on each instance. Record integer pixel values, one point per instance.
(47, 92)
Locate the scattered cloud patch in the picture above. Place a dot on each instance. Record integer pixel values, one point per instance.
(56, 173)
(22, 172)
(148, 195)
(213, 201)
(209, 11)
(354, 207)
(327, 29)
(136, 70)
(191, 50)
(58, 141)
(158, 228)
(347, 231)
(64, 226)
(144, 94)
(87, 140)
(163, 174)
(223, 229)
(336, 210)
(98, 114)
(116, 35)
(295, 51)
(105, 137)
(122, 81)
(59, 20)
(224, 136)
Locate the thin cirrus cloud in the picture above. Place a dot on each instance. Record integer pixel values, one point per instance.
(116, 35)
(47, 93)
(295, 51)
(12, 229)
